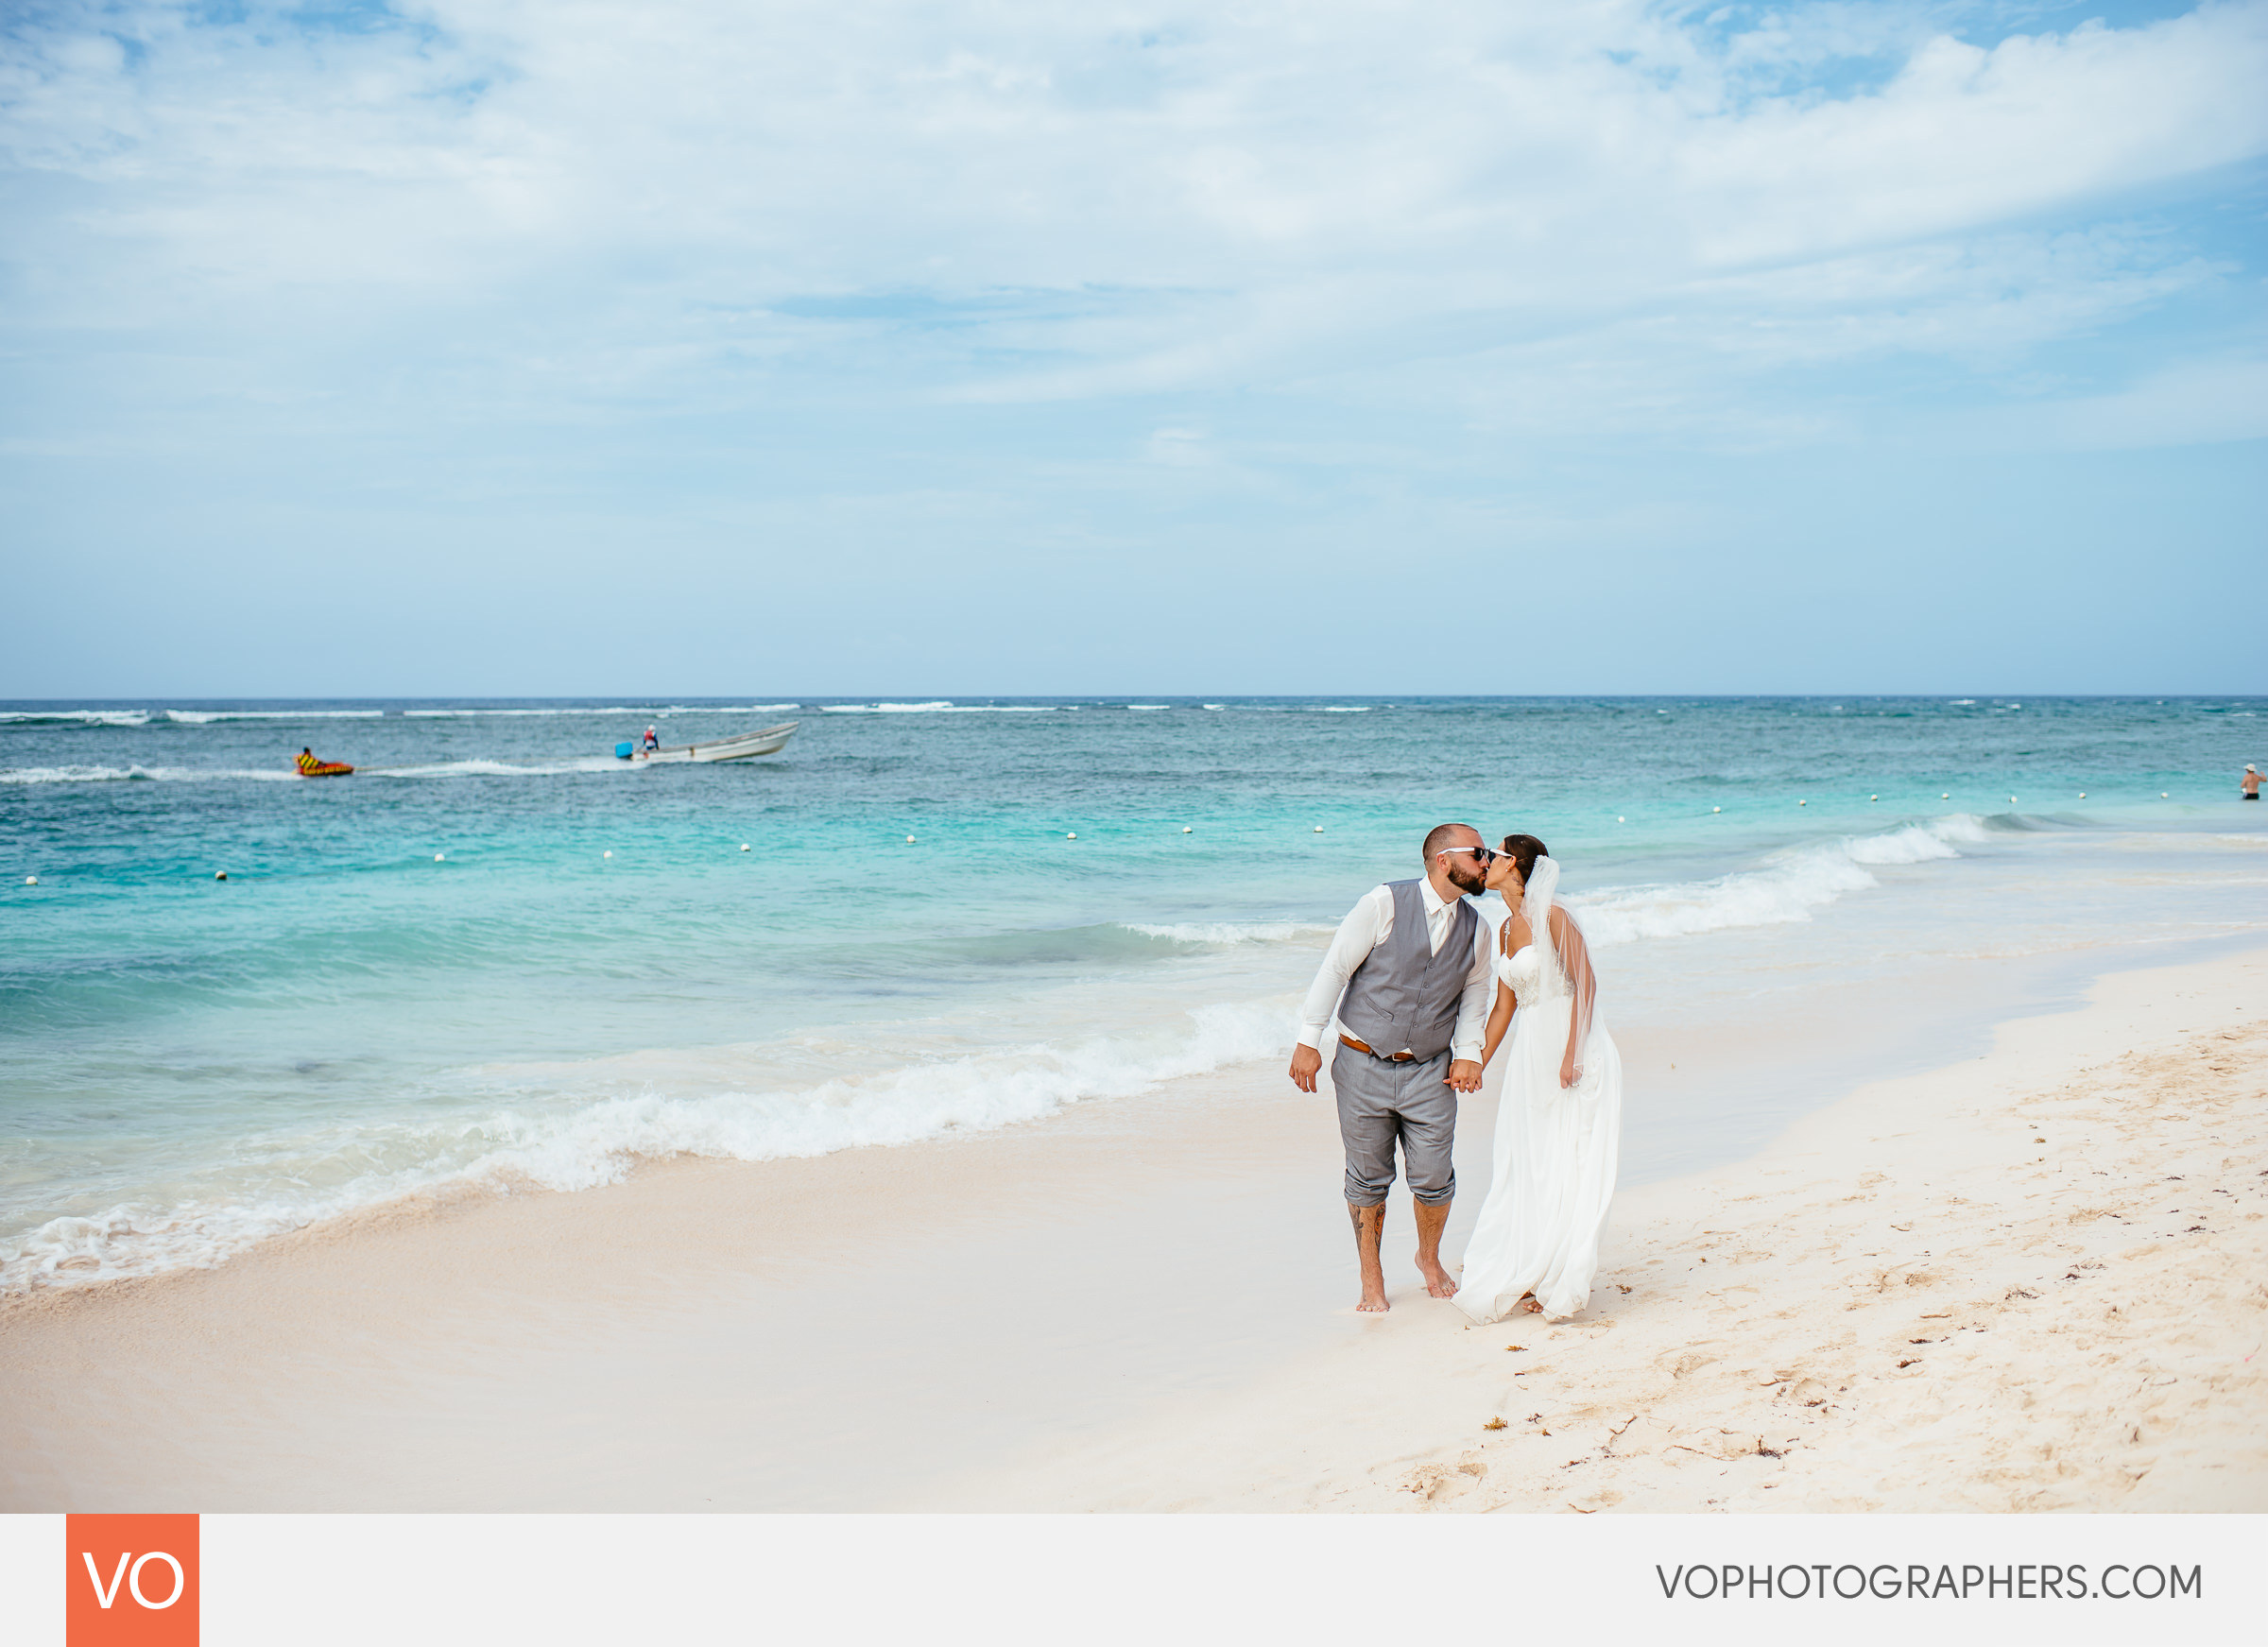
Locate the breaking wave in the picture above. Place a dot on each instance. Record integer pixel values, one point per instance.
(1787, 887)
(633, 710)
(1230, 932)
(75, 717)
(200, 717)
(582, 1144)
(942, 706)
(197, 718)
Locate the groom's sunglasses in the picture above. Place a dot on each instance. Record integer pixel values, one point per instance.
(1482, 854)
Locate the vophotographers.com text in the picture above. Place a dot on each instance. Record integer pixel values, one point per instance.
(2118, 1582)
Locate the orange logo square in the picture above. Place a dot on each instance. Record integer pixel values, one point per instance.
(130, 1581)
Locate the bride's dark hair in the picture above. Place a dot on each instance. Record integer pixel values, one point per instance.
(1523, 851)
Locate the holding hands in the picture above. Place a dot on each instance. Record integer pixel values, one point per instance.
(1307, 1063)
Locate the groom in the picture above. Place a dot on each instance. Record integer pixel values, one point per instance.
(1409, 976)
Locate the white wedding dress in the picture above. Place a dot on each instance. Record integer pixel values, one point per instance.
(1557, 1149)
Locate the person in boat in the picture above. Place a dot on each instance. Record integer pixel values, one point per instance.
(307, 761)
(652, 743)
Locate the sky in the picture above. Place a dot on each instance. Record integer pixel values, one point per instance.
(506, 348)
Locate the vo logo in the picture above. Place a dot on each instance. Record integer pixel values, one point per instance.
(130, 1581)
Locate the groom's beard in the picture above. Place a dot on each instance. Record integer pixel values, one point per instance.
(1469, 881)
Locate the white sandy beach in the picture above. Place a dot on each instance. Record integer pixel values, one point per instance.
(2036, 1280)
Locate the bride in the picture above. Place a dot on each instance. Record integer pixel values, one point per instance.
(1558, 1121)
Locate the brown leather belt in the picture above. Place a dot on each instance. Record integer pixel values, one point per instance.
(1348, 1041)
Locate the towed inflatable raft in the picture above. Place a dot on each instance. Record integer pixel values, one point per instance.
(310, 767)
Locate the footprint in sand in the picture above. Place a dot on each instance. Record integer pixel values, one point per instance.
(1439, 1483)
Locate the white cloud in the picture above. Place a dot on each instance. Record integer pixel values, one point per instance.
(622, 201)
(1967, 136)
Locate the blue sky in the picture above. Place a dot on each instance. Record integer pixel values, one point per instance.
(488, 346)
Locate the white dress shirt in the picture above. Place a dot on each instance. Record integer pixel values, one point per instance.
(1370, 923)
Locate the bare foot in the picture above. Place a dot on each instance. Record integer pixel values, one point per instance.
(1369, 1224)
(1528, 1303)
(1438, 1281)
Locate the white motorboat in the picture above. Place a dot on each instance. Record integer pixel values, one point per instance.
(739, 747)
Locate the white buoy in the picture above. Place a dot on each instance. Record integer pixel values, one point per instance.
(1803, 803)
(1874, 798)
(607, 854)
(1716, 809)
(1185, 829)
(1947, 796)
(221, 874)
(1318, 829)
(31, 880)
(744, 846)
(2163, 795)
(2083, 794)
(909, 840)
(2012, 800)
(1621, 820)
(438, 858)
(1071, 835)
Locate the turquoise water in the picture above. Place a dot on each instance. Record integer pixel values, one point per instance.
(434, 971)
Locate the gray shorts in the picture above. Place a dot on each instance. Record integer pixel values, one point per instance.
(1381, 1100)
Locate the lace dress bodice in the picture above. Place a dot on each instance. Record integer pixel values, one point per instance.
(1522, 972)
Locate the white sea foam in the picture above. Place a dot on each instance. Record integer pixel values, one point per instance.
(942, 706)
(144, 774)
(1917, 843)
(505, 769)
(197, 718)
(1229, 932)
(579, 1146)
(1149, 706)
(1345, 709)
(1789, 887)
(633, 710)
(83, 717)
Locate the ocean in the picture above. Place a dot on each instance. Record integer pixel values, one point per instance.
(498, 955)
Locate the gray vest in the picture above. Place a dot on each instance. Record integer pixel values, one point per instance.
(1403, 997)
